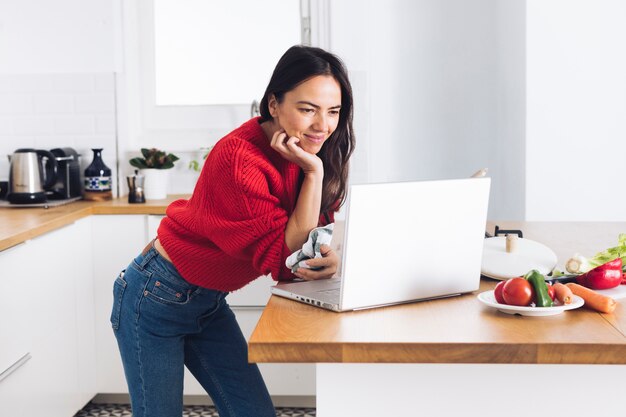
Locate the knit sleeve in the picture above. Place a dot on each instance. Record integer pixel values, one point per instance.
(246, 220)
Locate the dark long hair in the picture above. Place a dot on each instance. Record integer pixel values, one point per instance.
(297, 65)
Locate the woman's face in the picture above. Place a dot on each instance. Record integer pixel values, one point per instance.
(310, 112)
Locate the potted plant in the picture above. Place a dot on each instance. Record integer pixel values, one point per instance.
(155, 165)
(196, 165)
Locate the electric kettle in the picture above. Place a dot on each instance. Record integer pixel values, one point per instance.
(30, 177)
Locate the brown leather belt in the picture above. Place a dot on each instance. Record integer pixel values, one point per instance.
(154, 243)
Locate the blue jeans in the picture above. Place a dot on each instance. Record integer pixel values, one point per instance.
(162, 323)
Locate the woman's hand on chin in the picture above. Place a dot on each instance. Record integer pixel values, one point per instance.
(289, 149)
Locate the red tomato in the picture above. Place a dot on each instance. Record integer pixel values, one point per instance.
(518, 292)
(497, 292)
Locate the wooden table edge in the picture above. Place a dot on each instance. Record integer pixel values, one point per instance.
(476, 353)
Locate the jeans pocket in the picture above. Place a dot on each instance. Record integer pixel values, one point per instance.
(165, 292)
(118, 291)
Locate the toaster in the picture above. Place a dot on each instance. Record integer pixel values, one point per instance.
(69, 183)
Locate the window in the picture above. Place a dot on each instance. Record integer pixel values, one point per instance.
(193, 67)
(220, 52)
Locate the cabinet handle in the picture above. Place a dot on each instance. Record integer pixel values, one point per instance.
(21, 361)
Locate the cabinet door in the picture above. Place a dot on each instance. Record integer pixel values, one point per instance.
(153, 225)
(14, 338)
(47, 384)
(117, 239)
(36, 288)
(41, 291)
(82, 264)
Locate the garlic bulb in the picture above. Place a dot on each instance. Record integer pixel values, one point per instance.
(577, 264)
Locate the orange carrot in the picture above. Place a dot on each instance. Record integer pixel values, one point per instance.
(593, 300)
(562, 293)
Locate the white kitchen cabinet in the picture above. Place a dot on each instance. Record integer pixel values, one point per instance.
(57, 291)
(282, 379)
(119, 238)
(14, 338)
(40, 289)
(47, 384)
(255, 294)
(85, 312)
(153, 224)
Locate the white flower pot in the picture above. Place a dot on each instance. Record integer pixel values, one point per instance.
(155, 183)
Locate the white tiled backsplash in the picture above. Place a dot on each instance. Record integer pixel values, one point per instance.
(46, 111)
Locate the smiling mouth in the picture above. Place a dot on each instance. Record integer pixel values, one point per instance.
(315, 138)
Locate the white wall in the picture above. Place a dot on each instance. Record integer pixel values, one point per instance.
(57, 87)
(508, 192)
(535, 90)
(46, 111)
(576, 110)
(60, 36)
(431, 91)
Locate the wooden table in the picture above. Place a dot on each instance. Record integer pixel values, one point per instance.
(434, 357)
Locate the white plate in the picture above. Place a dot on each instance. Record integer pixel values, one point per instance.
(489, 299)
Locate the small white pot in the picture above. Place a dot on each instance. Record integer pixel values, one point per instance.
(156, 183)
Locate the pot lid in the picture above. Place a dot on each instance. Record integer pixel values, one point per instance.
(527, 254)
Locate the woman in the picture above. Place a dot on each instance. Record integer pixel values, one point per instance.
(263, 188)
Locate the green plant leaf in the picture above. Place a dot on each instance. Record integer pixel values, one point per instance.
(194, 165)
(154, 158)
(138, 163)
(147, 152)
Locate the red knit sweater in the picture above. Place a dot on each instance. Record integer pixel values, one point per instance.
(232, 229)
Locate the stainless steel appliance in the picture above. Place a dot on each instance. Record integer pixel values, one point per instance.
(32, 172)
(68, 183)
(4, 187)
(135, 188)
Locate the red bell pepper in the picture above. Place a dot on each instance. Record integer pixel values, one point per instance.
(608, 275)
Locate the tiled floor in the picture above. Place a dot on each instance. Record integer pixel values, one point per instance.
(123, 410)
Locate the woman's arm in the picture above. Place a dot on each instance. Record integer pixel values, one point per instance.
(306, 214)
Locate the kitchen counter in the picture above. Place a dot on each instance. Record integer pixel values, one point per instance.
(21, 224)
(435, 357)
(453, 330)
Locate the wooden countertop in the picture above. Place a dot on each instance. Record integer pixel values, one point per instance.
(453, 330)
(20, 224)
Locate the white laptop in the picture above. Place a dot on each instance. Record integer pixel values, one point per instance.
(404, 242)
